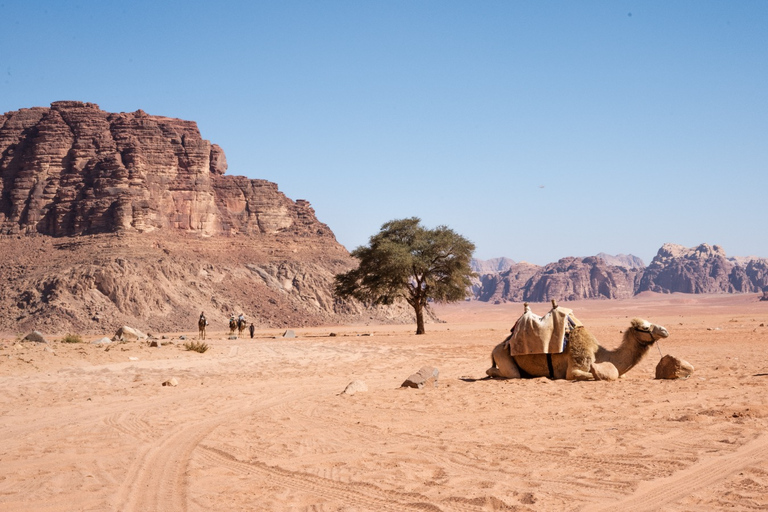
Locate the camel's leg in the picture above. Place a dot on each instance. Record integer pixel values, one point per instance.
(604, 371)
(502, 364)
(576, 374)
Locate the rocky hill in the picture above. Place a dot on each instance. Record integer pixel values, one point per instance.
(703, 269)
(111, 219)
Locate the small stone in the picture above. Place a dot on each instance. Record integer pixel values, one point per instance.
(131, 358)
(35, 336)
(155, 343)
(354, 387)
(126, 333)
(425, 376)
(182, 337)
(171, 382)
(289, 334)
(671, 367)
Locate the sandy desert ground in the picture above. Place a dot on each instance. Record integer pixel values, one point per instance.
(263, 424)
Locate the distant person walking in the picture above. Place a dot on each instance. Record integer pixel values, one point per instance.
(251, 329)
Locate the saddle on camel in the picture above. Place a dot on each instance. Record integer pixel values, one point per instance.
(558, 346)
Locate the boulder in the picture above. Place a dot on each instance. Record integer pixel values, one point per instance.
(424, 377)
(604, 371)
(171, 382)
(671, 367)
(126, 333)
(355, 386)
(289, 334)
(35, 336)
(101, 341)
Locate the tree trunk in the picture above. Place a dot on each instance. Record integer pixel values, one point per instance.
(419, 309)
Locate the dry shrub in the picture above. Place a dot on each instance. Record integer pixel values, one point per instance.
(72, 338)
(196, 346)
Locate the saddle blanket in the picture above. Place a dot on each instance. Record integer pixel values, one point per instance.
(534, 334)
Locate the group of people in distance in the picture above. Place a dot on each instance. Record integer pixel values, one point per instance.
(238, 324)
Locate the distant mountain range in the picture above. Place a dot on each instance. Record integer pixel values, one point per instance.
(702, 269)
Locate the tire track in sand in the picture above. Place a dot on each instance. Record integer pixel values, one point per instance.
(358, 494)
(655, 494)
(156, 478)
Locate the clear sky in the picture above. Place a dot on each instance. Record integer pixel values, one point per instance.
(536, 129)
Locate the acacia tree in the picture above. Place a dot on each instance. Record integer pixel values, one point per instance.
(405, 260)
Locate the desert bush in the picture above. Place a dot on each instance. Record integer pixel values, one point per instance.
(197, 346)
(72, 338)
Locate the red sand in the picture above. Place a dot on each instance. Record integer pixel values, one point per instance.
(262, 425)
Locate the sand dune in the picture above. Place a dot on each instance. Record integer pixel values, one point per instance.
(262, 424)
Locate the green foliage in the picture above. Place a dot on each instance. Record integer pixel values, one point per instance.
(72, 338)
(196, 346)
(407, 261)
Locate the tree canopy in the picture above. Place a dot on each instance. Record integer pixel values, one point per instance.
(407, 261)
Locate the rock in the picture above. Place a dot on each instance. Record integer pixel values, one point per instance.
(182, 337)
(171, 382)
(671, 367)
(101, 341)
(233, 337)
(354, 387)
(80, 170)
(126, 333)
(604, 371)
(289, 334)
(132, 358)
(424, 377)
(143, 190)
(35, 336)
(702, 269)
(155, 343)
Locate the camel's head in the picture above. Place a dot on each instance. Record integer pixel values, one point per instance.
(647, 333)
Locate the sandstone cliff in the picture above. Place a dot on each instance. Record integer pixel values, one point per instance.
(110, 219)
(702, 269)
(675, 269)
(73, 169)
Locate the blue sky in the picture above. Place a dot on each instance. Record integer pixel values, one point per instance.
(536, 129)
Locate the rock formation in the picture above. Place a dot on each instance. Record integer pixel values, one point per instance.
(622, 260)
(73, 169)
(113, 219)
(702, 269)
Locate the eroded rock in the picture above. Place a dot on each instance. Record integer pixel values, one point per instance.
(671, 367)
(426, 376)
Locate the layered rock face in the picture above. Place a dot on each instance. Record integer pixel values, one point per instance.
(128, 219)
(702, 269)
(567, 279)
(73, 169)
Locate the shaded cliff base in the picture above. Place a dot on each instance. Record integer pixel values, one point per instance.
(97, 283)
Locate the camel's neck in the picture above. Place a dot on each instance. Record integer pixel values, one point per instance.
(626, 356)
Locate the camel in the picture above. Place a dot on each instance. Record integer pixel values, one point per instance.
(232, 325)
(201, 323)
(583, 358)
(241, 324)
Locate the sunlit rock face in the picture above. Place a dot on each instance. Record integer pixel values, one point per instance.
(73, 169)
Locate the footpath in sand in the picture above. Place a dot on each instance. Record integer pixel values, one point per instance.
(262, 424)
